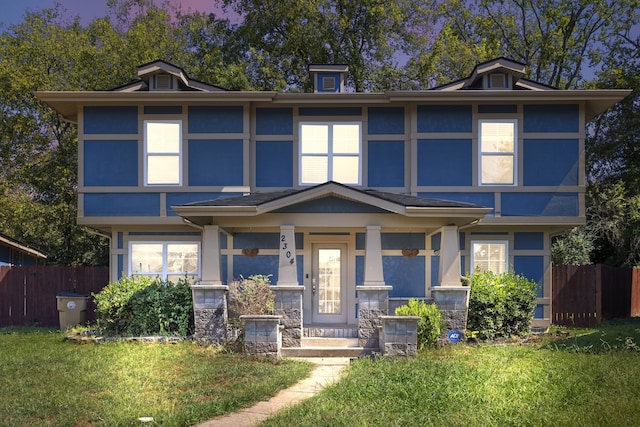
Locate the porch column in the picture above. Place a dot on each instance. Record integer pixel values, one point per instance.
(373, 295)
(209, 294)
(451, 296)
(288, 293)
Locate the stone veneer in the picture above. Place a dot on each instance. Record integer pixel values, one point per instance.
(373, 302)
(210, 313)
(263, 335)
(288, 304)
(454, 303)
(399, 335)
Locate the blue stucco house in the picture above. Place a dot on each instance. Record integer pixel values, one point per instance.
(333, 193)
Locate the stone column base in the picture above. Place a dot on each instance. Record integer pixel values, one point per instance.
(373, 302)
(210, 313)
(399, 335)
(262, 335)
(454, 303)
(288, 304)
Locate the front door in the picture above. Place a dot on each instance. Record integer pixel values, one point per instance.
(328, 283)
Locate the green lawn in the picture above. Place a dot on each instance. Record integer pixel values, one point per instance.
(47, 381)
(585, 377)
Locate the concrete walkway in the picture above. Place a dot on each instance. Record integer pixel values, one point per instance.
(327, 371)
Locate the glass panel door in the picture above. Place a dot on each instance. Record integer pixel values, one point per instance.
(328, 283)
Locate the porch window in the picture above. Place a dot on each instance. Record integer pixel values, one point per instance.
(489, 256)
(162, 152)
(497, 152)
(166, 260)
(330, 152)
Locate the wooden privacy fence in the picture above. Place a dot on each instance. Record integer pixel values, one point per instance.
(585, 295)
(28, 294)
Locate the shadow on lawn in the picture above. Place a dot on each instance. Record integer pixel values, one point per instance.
(610, 335)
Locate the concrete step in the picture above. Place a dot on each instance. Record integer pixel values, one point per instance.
(330, 331)
(350, 352)
(329, 342)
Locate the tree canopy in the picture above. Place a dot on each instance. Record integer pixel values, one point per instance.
(260, 45)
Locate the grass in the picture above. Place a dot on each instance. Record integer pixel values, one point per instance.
(48, 381)
(569, 377)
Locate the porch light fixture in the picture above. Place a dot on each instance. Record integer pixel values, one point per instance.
(410, 252)
(250, 252)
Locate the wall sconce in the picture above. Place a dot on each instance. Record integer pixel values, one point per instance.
(250, 252)
(410, 252)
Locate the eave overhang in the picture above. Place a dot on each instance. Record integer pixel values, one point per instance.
(7, 241)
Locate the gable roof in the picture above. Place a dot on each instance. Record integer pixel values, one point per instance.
(261, 203)
(147, 70)
(20, 246)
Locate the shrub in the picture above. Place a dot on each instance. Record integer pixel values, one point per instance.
(501, 305)
(144, 306)
(250, 296)
(430, 325)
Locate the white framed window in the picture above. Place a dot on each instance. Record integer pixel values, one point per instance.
(330, 152)
(166, 260)
(489, 255)
(162, 152)
(497, 152)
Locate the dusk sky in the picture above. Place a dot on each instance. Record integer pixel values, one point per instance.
(12, 11)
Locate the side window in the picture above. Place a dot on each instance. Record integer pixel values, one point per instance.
(167, 260)
(330, 152)
(489, 256)
(497, 152)
(162, 152)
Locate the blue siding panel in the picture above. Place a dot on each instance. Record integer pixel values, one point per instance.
(110, 120)
(110, 163)
(386, 121)
(540, 204)
(361, 239)
(274, 163)
(359, 270)
(528, 241)
(483, 199)
(330, 111)
(261, 264)
(538, 312)
(402, 240)
(386, 164)
(216, 119)
(122, 204)
(445, 162)
(435, 241)
(274, 121)
(215, 162)
(435, 270)
(497, 109)
(444, 118)
(263, 240)
(320, 85)
(121, 271)
(531, 267)
(330, 204)
(406, 275)
(163, 109)
(551, 162)
(551, 118)
(462, 240)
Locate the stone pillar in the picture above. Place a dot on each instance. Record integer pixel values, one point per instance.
(287, 267)
(449, 271)
(263, 335)
(373, 302)
(210, 313)
(209, 294)
(454, 303)
(399, 335)
(288, 305)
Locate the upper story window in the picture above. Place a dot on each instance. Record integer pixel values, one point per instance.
(489, 256)
(497, 152)
(330, 152)
(162, 152)
(166, 260)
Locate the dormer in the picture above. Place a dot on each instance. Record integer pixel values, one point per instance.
(497, 74)
(328, 78)
(161, 76)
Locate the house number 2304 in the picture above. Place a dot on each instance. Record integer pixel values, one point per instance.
(284, 247)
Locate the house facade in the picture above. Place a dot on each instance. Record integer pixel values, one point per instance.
(341, 196)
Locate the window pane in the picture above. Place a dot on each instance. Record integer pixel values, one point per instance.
(182, 258)
(146, 258)
(163, 137)
(315, 169)
(497, 137)
(346, 139)
(163, 170)
(346, 169)
(329, 281)
(315, 139)
(497, 169)
(490, 257)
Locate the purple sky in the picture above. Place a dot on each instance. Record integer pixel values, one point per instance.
(12, 11)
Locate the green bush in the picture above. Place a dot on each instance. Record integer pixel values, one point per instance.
(250, 296)
(143, 306)
(430, 326)
(501, 305)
